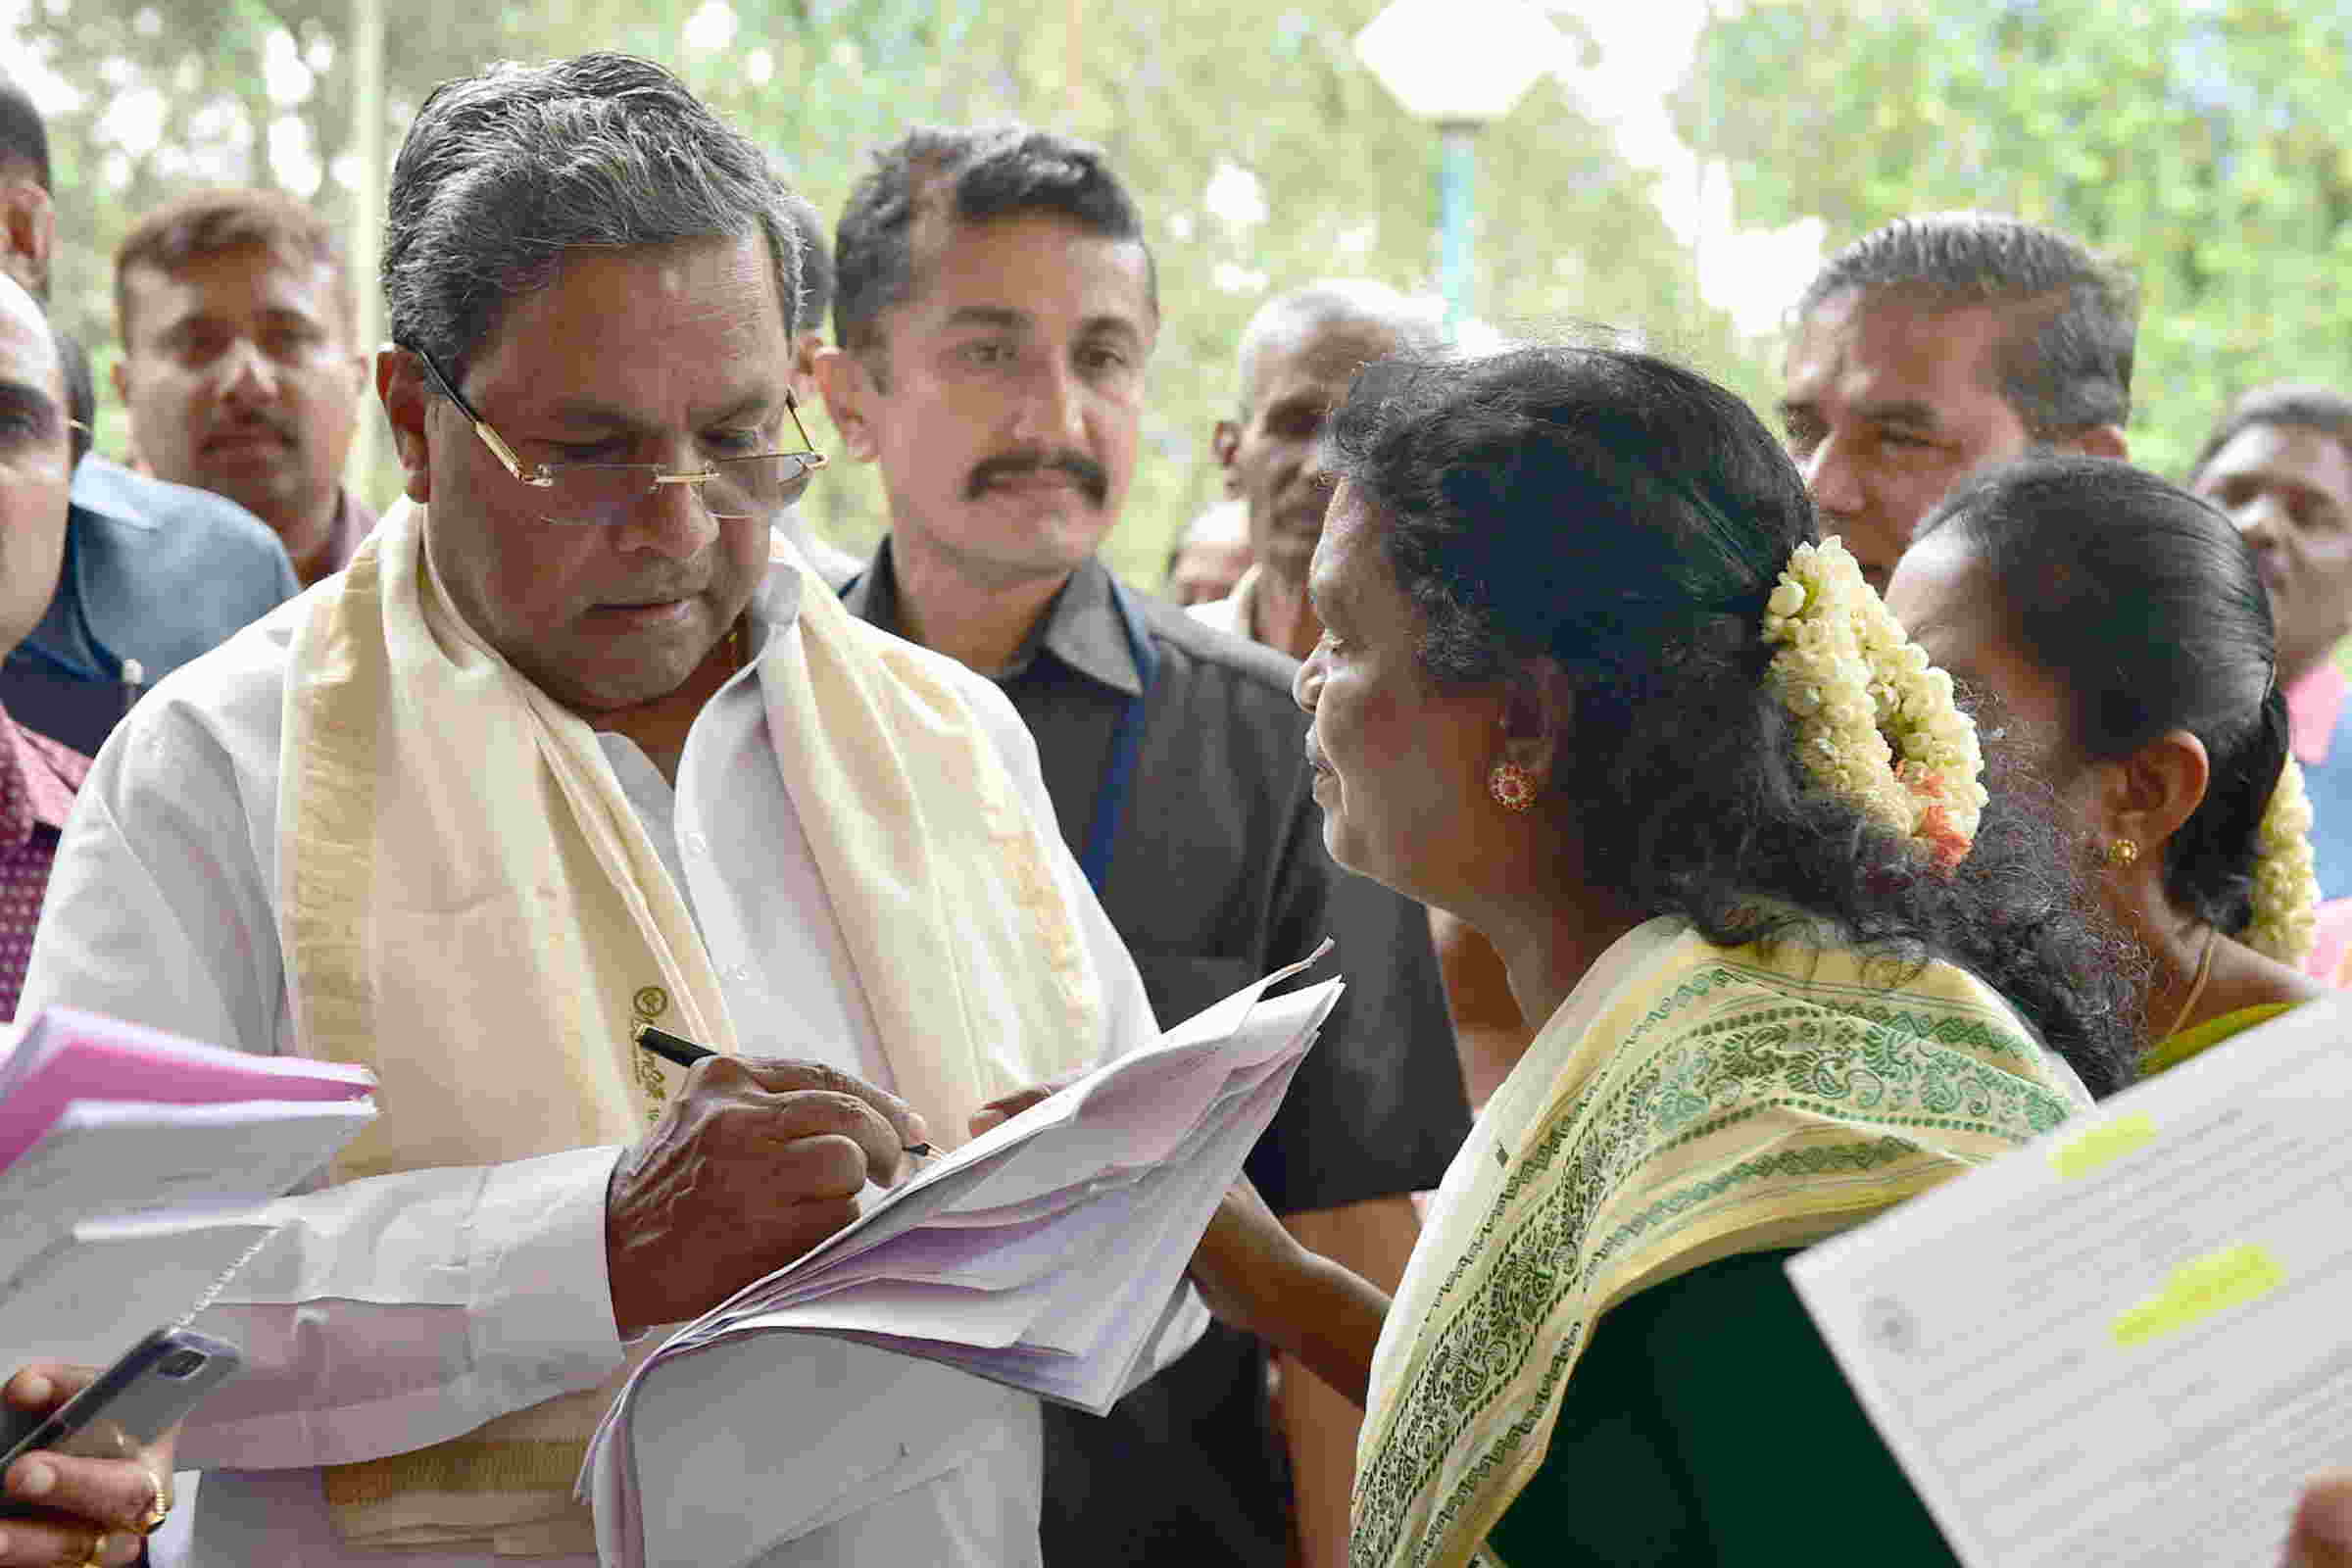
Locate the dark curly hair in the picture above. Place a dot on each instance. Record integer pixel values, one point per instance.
(1629, 518)
(2148, 609)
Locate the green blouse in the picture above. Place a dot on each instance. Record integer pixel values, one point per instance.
(2178, 1049)
(1707, 1423)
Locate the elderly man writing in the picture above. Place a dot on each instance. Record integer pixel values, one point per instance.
(571, 744)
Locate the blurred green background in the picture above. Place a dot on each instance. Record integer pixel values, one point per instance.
(1677, 177)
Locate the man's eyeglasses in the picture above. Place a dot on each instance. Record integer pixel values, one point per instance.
(759, 484)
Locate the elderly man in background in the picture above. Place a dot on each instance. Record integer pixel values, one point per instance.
(995, 311)
(154, 573)
(240, 364)
(576, 743)
(1935, 344)
(1297, 355)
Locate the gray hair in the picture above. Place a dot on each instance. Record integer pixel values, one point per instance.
(504, 172)
(1336, 302)
(2067, 366)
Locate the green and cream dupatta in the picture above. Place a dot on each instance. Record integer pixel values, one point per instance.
(1687, 1103)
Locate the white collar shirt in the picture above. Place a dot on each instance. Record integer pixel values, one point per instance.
(408, 1309)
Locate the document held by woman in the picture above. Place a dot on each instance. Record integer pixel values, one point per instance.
(1046, 1254)
(2132, 1340)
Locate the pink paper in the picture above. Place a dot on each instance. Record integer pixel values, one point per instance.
(67, 1054)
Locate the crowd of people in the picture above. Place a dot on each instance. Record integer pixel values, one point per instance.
(1599, 723)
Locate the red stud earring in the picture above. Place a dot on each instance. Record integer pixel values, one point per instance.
(1512, 786)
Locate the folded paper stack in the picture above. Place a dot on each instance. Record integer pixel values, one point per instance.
(1048, 1255)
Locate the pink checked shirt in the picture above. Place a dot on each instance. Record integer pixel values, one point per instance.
(37, 780)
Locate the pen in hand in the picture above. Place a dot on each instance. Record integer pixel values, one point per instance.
(685, 1052)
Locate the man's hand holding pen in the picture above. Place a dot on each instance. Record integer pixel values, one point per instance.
(757, 1161)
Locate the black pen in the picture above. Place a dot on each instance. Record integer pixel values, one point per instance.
(685, 1052)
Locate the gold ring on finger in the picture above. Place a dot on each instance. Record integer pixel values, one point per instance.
(159, 1509)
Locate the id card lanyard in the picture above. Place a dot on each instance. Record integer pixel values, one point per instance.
(1126, 747)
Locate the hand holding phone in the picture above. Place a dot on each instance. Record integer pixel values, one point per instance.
(86, 1458)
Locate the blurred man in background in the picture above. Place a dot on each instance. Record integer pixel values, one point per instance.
(241, 365)
(1935, 344)
(1210, 556)
(153, 573)
(833, 563)
(2280, 464)
(1297, 355)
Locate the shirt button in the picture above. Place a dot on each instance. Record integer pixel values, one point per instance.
(698, 844)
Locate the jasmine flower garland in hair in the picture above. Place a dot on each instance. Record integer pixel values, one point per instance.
(2286, 888)
(1861, 693)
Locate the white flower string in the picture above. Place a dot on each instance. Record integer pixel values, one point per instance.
(2286, 886)
(1861, 692)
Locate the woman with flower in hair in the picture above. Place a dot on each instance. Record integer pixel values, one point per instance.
(2116, 640)
(1589, 682)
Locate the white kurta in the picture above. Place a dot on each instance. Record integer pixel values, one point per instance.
(402, 1310)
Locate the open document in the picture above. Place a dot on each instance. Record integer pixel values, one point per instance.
(1048, 1256)
(2131, 1341)
(131, 1166)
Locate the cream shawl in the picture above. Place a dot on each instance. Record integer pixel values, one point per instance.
(468, 905)
(1686, 1102)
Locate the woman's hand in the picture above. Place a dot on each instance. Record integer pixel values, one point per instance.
(1242, 1263)
(1260, 1278)
(84, 1510)
(1005, 1108)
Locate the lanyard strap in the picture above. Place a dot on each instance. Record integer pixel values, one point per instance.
(1126, 747)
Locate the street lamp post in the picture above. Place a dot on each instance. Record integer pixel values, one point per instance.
(1458, 198)
(1458, 64)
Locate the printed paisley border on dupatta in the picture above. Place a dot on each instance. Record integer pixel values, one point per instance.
(1853, 1054)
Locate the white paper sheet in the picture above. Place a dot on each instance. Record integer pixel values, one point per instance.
(2131, 1341)
(1048, 1256)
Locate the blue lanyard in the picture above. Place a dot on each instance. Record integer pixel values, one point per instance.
(1126, 747)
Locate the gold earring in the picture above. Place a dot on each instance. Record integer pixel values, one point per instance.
(1512, 786)
(2122, 851)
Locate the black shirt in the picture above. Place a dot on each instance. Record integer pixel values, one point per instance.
(1217, 875)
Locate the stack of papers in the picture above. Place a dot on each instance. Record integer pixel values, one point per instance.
(1048, 1256)
(131, 1165)
(2131, 1341)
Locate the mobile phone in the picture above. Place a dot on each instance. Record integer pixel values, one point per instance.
(144, 1394)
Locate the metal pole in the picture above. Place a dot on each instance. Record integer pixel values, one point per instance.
(1457, 166)
(367, 227)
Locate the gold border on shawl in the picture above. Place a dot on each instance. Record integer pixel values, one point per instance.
(1444, 1514)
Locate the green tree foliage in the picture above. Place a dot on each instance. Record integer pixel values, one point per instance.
(2201, 141)
(1176, 89)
